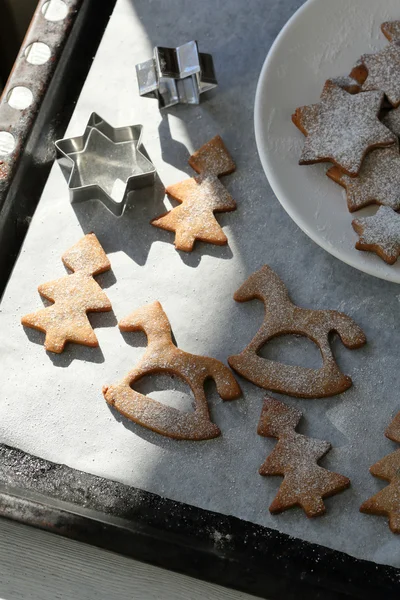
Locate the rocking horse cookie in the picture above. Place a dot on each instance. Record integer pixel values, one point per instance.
(283, 317)
(163, 356)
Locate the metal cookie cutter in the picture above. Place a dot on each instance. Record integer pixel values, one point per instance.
(105, 163)
(176, 75)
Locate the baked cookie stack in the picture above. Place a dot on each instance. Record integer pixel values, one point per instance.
(356, 126)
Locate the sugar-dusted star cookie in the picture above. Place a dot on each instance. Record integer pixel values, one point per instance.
(73, 296)
(380, 234)
(383, 72)
(392, 121)
(391, 30)
(378, 181)
(345, 128)
(347, 83)
(199, 198)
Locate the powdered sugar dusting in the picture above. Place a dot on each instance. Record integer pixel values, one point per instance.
(380, 233)
(346, 128)
(378, 181)
(384, 72)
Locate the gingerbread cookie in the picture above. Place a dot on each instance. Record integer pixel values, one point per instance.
(199, 198)
(377, 183)
(296, 457)
(392, 121)
(73, 296)
(391, 30)
(344, 129)
(387, 501)
(380, 234)
(283, 317)
(163, 356)
(347, 83)
(383, 73)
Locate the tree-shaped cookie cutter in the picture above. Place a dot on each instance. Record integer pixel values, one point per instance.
(162, 356)
(93, 162)
(283, 317)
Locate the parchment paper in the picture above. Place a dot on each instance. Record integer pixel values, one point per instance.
(52, 405)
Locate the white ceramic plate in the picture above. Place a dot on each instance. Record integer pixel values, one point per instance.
(324, 38)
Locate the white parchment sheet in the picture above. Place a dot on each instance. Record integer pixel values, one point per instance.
(52, 405)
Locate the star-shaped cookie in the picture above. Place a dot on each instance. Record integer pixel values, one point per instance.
(377, 183)
(384, 72)
(391, 30)
(380, 234)
(392, 121)
(345, 128)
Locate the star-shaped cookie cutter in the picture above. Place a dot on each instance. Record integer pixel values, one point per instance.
(105, 162)
(176, 75)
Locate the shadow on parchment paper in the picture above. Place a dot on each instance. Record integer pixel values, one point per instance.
(133, 233)
(220, 110)
(149, 386)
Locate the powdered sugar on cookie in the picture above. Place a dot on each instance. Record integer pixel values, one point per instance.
(378, 181)
(345, 129)
(380, 234)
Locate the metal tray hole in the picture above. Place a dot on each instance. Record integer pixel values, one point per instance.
(55, 10)
(7, 143)
(20, 97)
(37, 53)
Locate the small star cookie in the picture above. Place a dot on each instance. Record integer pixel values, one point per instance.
(380, 234)
(383, 72)
(345, 128)
(377, 183)
(391, 30)
(392, 121)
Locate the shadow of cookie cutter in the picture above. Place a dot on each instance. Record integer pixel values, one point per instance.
(176, 75)
(102, 158)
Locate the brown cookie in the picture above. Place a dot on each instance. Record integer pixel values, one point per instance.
(387, 501)
(199, 198)
(343, 129)
(392, 121)
(377, 183)
(163, 356)
(383, 72)
(391, 30)
(73, 296)
(283, 317)
(296, 457)
(347, 83)
(380, 234)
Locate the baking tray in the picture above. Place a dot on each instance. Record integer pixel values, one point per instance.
(171, 528)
